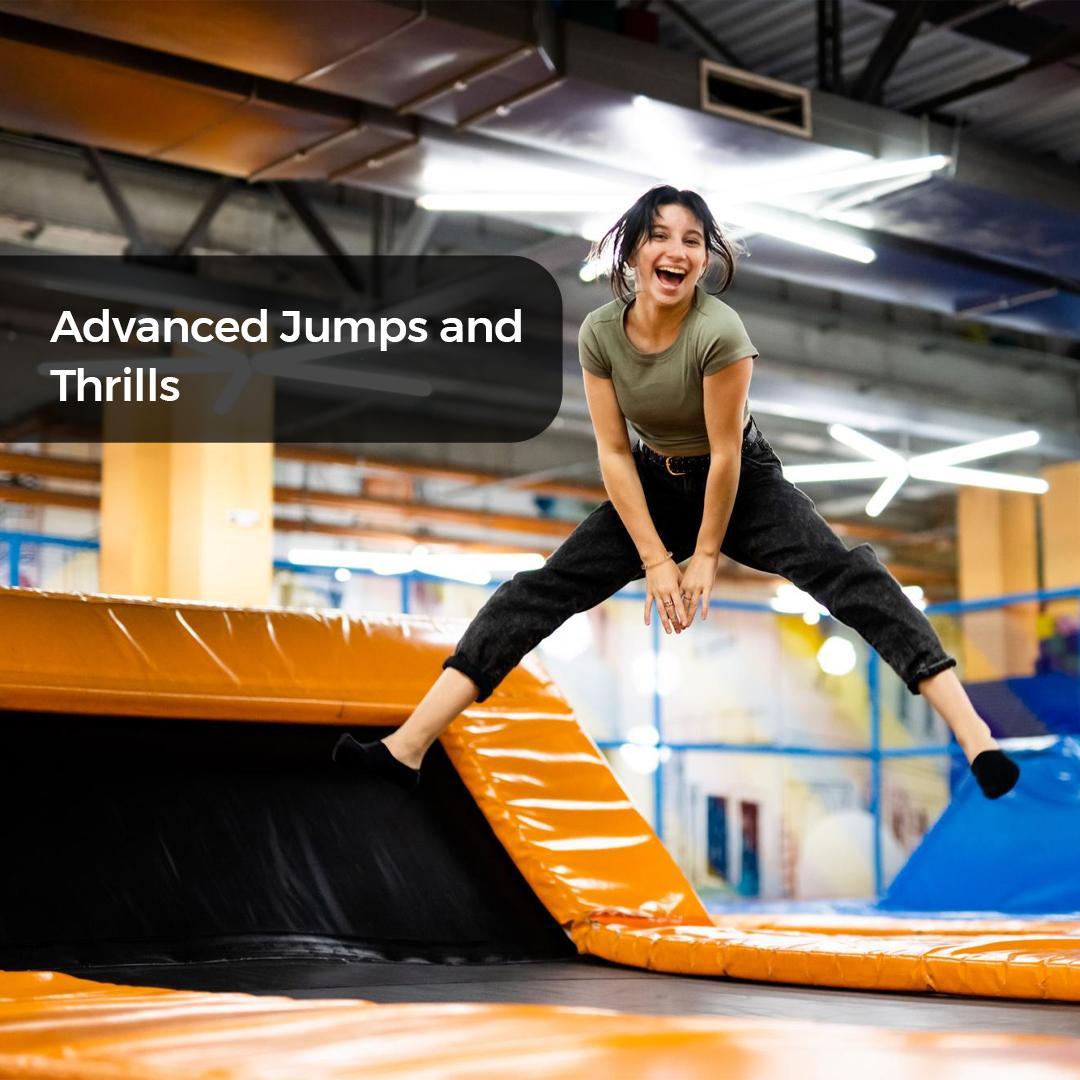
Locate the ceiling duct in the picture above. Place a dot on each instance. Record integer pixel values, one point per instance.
(755, 99)
(276, 90)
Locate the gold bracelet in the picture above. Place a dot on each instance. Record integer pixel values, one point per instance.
(667, 556)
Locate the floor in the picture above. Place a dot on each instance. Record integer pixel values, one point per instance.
(595, 984)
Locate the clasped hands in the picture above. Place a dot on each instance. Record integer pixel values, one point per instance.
(678, 594)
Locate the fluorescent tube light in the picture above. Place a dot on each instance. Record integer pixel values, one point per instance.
(841, 470)
(948, 474)
(859, 174)
(957, 455)
(787, 227)
(475, 568)
(863, 444)
(884, 494)
(941, 466)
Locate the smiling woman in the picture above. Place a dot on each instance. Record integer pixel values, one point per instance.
(675, 362)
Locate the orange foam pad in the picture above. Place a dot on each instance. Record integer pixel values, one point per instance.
(1018, 965)
(55, 1026)
(877, 925)
(546, 790)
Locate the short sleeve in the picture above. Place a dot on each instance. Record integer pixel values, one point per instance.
(592, 359)
(728, 342)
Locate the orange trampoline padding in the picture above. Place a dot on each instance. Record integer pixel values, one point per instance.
(546, 790)
(1019, 965)
(824, 923)
(54, 1026)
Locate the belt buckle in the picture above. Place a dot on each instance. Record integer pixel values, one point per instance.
(671, 471)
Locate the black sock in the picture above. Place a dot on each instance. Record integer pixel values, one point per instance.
(373, 759)
(996, 773)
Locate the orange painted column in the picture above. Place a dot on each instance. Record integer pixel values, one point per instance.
(997, 551)
(1060, 538)
(190, 520)
(1061, 526)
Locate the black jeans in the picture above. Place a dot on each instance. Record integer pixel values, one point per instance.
(774, 527)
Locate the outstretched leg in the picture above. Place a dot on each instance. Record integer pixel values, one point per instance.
(449, 695)
(596, 560)
(774, 527)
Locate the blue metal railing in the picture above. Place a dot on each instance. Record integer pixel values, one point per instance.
(14, 542)
(875, 753)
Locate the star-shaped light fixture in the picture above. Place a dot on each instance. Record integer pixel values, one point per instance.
(894, 469)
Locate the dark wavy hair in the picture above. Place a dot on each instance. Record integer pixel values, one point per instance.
(623, 238)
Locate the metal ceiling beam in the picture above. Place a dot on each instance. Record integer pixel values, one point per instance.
(64, 468)
(994, 22)
(69, 500)
(415, 235)
(35, 465)
(894, 41)
(210, 76)
(67, 468)
(830, 46)
(1061, 48)
(146, 284)
(709, 43)
(415, 511)
(418, 534)
(317, 229)
(214, 201)
(837, 121)
(137, 242)
(314, 455)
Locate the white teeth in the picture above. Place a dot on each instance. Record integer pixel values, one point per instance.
(680, 274)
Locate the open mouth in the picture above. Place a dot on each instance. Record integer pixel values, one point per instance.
(671, 277)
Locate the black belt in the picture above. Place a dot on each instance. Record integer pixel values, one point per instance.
(676, 466)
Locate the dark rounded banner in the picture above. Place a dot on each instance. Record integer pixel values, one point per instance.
(291, 349)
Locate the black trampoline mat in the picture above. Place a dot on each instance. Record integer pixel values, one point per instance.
(589, 983)
(139, 840)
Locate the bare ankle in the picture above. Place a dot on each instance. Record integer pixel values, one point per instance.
(404, 752)
(975, 744)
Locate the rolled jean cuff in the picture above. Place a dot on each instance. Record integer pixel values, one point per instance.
(483, 682)
(928, 672)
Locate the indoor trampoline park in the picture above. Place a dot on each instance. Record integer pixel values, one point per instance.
(540, 538)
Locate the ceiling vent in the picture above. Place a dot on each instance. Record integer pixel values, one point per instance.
(755, 99)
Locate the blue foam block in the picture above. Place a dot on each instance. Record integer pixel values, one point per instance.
(1018, 855)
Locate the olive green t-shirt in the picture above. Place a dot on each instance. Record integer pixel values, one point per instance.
(661, 393)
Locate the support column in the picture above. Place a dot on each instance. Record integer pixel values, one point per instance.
(191, 520)
(997, 549)
(1061, 526)
(188, 521)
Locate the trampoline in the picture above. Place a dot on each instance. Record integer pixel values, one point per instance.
(180, 842)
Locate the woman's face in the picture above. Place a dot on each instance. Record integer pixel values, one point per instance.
(672, 257)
